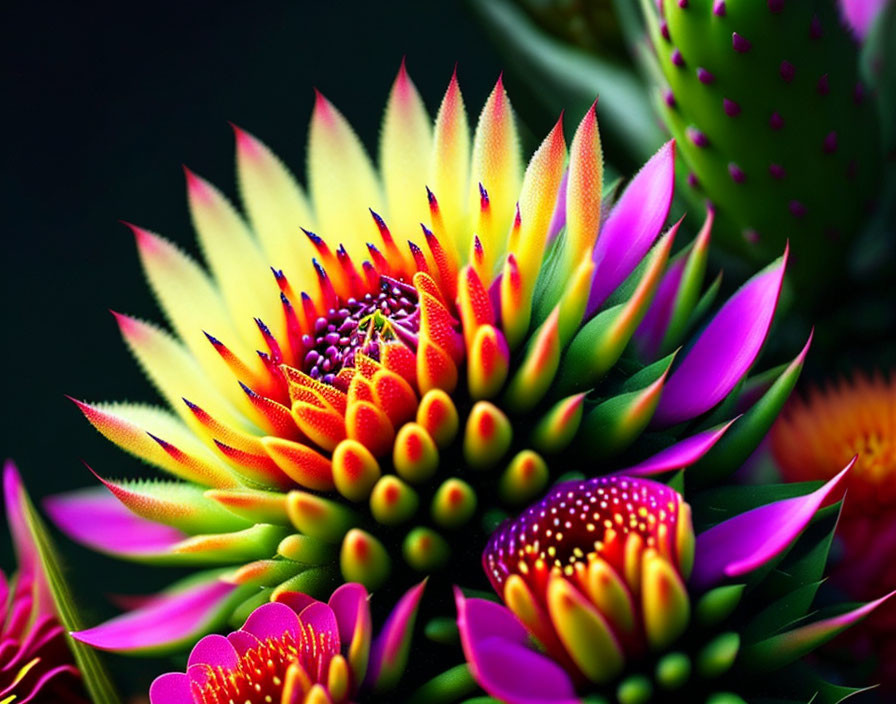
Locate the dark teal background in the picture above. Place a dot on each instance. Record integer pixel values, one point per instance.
(103, 102)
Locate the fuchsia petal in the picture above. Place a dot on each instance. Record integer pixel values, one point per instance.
(725, 350)
(496, 648)
(297, 601)
(321, 619)
(214, 650)
(859, 15)
(100, 521)
(748, 541)
(389, 646)
(633, 225)
(37, 688)
(242, 642)
(653, 327)
(272, 621)
(348, 603)
(171, 688)
(681, 454)
(177, 618)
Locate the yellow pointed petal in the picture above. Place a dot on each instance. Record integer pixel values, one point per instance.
(241, 271)
(277, 208)
(175, 373)
(497, 166)
(583, 190)
(450, 166)
(192, 304)
(540, 190)
(405, 147)
(342, 182)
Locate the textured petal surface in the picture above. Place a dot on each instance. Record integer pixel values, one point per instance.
(681, 454)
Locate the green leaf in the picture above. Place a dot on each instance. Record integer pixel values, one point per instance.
(781, 613)
(806, 561)
(95, 677)
(446, 687)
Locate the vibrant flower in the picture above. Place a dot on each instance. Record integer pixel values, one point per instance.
(775, 120)
(35, 662)
(607, 576)
(853, 417)
(297, 650)
(399, 401)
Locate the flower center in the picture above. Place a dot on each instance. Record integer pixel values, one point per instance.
(359, 324)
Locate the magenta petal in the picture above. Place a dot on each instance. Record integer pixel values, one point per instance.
(214, 650)
(859, 15)
(480, 619)
(390, 646)
(349, 603)
(171, 620)
(681, 454)
(650, 333)
(243, 642)
(13, 493)
(746, 542)
(558, 219)
(297, 601)
(725, 350)
(171, 688)
(633, 225)
(100, 521)
(320, 619)
(272, 621)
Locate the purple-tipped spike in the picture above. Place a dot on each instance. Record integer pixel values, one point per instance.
(740, 44)
(732, 109)
(698, 139)
(737, 174)
(830, 143)
(823, 87)
(815, 30)
(787, 71)
(704, 76)
(718, 8)
(797, 209)
(677, 58)
(777, 171)
(776, 122)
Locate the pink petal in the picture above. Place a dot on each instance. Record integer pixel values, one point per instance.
(171, 688)
(681, 454)
(242, 642)
(633, 225)
(173, 619)
(214, 650)
(272, 621)
(349, 603)
(725, 350)
(389, 645)
(746, 542)
(859, 15)
(100, 521)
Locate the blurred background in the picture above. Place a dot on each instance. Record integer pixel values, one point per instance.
(103, 103)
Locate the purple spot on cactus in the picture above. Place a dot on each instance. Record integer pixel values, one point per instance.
(704, 76)
(718, 8)
(858, 93)
(751, 236)
(830, 143)
(796, 208)
(777, 171)
(852, 169)
(737, 173)
(669, 98)
(823, 86)
(664, 30)
(682, 3)
(787, 71)
(692, 180)
(677, 58)
(697, 137)
(740, 44)
(776, 122)
(731, 108)
(776, 5)
(815, 31)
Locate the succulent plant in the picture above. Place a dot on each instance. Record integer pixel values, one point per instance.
(774, 122)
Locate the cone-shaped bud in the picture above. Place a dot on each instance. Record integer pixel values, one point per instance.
(595, 570)
(487, 435)
(718, 604)
(537, 368)
(438, 415)
(673, 670)
(392, 501)
(363, 559)
(488, 363)
(415, 454)
(665, 603)
(425, 550)
(256, 506)
(557, 428)
(355, 470)
(317, 517)
(524, 478)
(636, 689)
(310, 551)
(717, 656)
(300, 463)
(454, 503)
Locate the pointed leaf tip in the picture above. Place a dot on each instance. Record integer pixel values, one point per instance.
(750, 540)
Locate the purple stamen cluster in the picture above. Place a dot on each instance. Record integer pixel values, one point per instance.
(359, 324)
